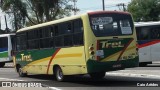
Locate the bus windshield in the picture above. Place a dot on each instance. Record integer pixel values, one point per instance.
(111, 24)
(3, 42)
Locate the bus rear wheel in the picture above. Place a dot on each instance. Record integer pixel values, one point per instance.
(59, 74)
(2, 64)
(98, 75)
(143, 64)
(21, 73)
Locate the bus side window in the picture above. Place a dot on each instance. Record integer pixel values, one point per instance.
(78, 32)
(58, 36)
(52, 34)
(33, 39)
(56, 30)
(21, 42)
(40, 32)
(3, 42)
(144, 33)
(68, 38)
(13, 42)
(18, 43)
(138, 33)
(69, 28)
(155, 33)
(62, 28)
(45, 39)
(59, 41)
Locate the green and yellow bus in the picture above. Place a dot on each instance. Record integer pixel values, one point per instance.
(6, 45)
(91, 43)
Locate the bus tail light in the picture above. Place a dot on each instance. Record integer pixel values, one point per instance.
(92, 52)
(91, 48)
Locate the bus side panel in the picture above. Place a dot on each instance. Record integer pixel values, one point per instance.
(42, 61)
(34, 61)
(71, 60)
(4, 54)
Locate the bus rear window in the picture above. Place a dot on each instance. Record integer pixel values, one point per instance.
(3, 42)
(111, 24)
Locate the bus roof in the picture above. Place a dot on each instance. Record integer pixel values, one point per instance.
(102, 12)
(67, 19)
(141, 24)
(49, 23)
(6, 35)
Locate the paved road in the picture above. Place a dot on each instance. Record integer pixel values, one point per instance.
(126, 79)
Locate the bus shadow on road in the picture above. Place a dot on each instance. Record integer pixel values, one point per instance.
(153, 65)
(75, 81)
(7, 67)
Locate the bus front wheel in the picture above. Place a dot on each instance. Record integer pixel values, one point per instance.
(2, 64)
(59, 74)
(21, 73)
(98, 75)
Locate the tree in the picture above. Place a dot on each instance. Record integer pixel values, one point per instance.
(47, 10)
(18, 9)
(145, 10)
(31, 12)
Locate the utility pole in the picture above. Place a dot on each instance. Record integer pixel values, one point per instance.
(5, 21)
(15, 17)
(1, 2)
(7, 29)
(75, 8)
(121, 5)
(15, 21)
(103, 4)
(0, 22)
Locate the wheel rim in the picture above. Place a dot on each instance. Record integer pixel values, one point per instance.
(20, 71)
(59, 74)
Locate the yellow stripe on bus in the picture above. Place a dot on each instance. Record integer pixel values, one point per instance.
(39, 61)
(68, 55)
(111, 56)
(57, 56)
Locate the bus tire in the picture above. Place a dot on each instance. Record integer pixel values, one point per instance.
(21, 73)
(59, 74)
(98, 75)
(2, 64)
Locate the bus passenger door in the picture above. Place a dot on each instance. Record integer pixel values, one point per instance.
(155, 44)
(155, 51)
(144, 54)
(143, 36)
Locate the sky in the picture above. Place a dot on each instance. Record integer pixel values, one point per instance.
(85, 6)
(92, 5)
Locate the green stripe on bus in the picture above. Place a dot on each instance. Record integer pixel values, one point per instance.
(3, 54)
(35, 55)
(110, 51)
(96, 66)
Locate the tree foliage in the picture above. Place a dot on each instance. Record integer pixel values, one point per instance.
(31, 12)
(145, 10)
